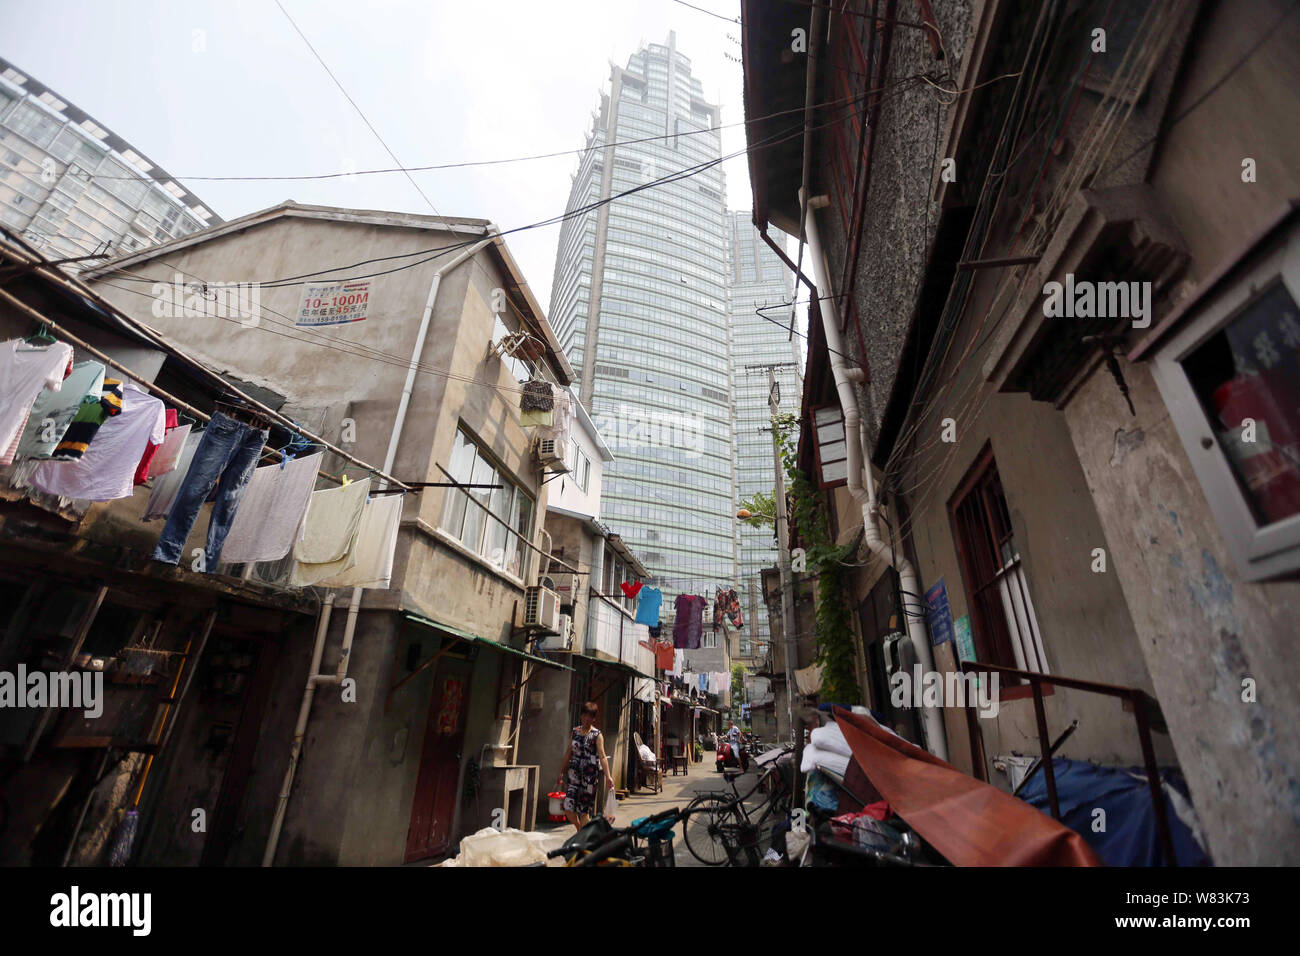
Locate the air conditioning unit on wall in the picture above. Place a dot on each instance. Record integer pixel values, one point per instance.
(541, 608)
(562, 641)
(550, 454)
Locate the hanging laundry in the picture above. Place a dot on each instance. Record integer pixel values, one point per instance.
(533, 419)
(655, 629)
(105, 471)
(271, 511)
(54, 410)
(228, 451)
(631, 589)
(326, 544)
(166, 487)
(647, 608)
(142, 471)
(678, 659)
(90, 417)
(726, 605)
(10, 453)
(688, 625)
(24, 371)
(703, 681)
(663, 655)
(376, 542)
(537, 396)
(169, 453)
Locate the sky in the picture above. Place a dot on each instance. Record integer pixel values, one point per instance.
(229, 88)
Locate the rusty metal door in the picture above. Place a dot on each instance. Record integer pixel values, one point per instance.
(435, 787)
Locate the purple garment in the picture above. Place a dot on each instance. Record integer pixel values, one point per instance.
(688, 626)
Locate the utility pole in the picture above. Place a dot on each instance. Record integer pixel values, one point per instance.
(788, 640)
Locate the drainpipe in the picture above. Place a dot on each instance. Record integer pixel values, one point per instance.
(859, 468)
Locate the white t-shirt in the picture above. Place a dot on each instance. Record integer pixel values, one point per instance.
(24, 371)
(107, 470)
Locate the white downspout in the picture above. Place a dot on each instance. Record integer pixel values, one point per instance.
(859, 469)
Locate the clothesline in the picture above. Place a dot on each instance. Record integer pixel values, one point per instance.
(37, 262)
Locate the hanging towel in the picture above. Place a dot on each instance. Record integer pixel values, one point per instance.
(537, 396)
(54, 411)
(169, 483)
(532, 419)
(24, 371)
(146, 460)
(376, 541)
(169, 453)
(326, 546)
(688, 626)
(678, 658)
(106, 470)
(647, 608)
(270, 512)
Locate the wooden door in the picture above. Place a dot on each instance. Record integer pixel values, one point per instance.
(435, 787)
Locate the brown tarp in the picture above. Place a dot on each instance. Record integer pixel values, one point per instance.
(968, 821)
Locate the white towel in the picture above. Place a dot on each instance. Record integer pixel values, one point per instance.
(831, 738)
(326, 546)
(270, 512)
(376, 541)
(168, 456)
(814, 757)
(168, 486)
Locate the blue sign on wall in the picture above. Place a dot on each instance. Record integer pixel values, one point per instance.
(939, 617)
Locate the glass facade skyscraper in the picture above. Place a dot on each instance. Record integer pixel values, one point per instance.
(72, 187)
(639, 303)
(759, 279)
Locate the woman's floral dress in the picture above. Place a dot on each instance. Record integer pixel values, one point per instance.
(584, 772)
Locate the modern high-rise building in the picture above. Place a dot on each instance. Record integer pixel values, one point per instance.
(72, 187)
(759, 280)
(639, 303)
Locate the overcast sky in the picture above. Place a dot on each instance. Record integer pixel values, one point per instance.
(228, 88)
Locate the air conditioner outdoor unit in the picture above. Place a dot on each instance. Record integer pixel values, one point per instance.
(563, 640)
(550, 454)
(541, 608)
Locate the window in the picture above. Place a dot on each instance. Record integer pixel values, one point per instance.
(1002, 613)
(1227, 375)
(709, 638)
(509, 507)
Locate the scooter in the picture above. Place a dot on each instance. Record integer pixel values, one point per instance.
(730, 756)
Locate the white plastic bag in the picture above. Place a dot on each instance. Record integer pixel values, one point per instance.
(611, 805)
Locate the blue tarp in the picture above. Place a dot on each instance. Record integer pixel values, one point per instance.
(1130, 837)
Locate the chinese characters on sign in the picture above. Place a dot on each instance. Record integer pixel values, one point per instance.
(938, 615)
(334, 303)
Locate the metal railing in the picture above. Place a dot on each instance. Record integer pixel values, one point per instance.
(1140, 702)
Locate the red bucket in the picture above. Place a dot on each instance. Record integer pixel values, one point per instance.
(555, 807)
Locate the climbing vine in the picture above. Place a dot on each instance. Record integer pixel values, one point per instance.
(807, 508)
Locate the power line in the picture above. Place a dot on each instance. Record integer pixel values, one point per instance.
(349, 98)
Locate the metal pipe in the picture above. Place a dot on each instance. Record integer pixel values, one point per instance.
(860, 480)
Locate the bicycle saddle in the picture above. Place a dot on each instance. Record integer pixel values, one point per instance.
(730, 774)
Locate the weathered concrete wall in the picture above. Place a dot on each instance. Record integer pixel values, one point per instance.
(547, 729)
(1202, 628)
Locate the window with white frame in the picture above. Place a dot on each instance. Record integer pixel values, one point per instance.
(509, 508)
(1228, 374)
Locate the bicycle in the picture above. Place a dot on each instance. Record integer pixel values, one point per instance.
(725, 831)
(645, 842)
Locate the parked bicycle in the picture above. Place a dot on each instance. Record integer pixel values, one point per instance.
(646, 842)
(724, 829)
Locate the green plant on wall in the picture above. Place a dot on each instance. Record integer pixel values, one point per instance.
(737, 684)
(825, 562)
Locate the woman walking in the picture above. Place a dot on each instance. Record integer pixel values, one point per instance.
(584, 763)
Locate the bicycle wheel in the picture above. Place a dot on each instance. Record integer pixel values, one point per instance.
(701, 833)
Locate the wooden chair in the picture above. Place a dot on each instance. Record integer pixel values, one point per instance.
(650, 773)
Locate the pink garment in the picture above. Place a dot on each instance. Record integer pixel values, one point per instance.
(142, 472)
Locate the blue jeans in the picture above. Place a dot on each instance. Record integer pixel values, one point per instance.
(228, 452)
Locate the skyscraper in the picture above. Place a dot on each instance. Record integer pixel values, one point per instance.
(759, 279)
(73, 187)
(639, 303)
